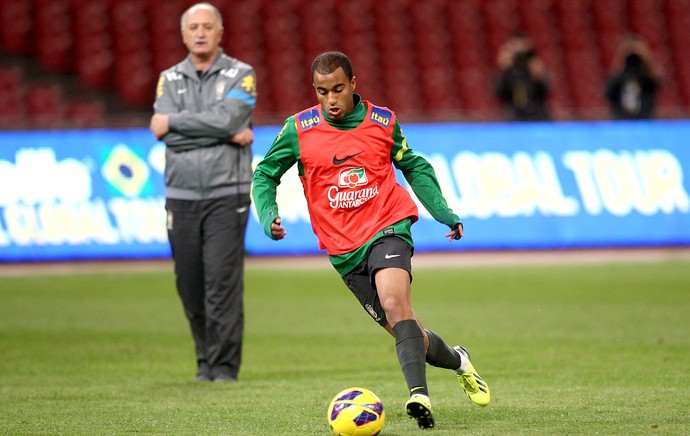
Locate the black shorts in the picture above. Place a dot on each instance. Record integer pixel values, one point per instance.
(387, 252)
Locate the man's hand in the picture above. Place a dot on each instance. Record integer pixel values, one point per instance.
(243, 138)
(277, 231)
(160, 125)
(456, 233)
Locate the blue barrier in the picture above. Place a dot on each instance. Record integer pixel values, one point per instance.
(99, 194)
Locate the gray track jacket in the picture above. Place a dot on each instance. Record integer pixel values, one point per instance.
(205, 111)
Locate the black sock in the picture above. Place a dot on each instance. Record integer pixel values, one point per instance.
(409, 345)
(440, 354)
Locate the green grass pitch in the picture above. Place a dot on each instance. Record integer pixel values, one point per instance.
(566, 349)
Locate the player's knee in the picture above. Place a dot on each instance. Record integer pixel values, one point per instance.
(396, 310)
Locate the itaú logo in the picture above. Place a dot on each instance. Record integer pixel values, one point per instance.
(350, 198)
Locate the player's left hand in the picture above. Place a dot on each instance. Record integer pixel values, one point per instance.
(456, 233)
(243, 138)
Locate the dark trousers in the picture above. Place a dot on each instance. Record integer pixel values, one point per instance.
(207, 242)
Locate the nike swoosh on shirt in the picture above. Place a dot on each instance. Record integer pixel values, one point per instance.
(337, 161)
(391, 256)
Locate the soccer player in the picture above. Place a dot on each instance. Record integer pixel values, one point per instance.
(345, 149)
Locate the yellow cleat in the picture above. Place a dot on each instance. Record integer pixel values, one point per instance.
(419, 407)
(474, 386)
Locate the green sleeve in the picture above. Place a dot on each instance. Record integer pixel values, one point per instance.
(422, 179)
(282, 155)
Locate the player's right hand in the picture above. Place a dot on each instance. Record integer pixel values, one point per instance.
(160, 125)
(277, 231)
(457, 232)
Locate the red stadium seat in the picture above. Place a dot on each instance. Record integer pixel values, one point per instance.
(134, 79)
(647, 19)
(11, 97)
(318, 27)
(164, 36)
(502, 19)
(15, 26)
(436, 57)
(610, 23)
(53, 37)
(584, 71)
(473, 59)
(86, 113)
(434, 53)
(45, 106)
(93, 55)
(678, 13)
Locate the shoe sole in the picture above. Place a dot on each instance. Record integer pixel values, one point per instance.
(423, 415)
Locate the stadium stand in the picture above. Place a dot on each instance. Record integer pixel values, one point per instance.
(11, 97)
(85, 63)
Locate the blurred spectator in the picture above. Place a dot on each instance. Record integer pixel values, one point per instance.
(522, 84)
(634, 81)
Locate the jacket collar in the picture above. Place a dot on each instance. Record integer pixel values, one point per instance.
(189, 69)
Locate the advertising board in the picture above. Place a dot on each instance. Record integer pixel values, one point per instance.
(99, 194)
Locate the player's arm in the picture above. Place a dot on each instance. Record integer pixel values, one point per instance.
(166, 105)
(222, 120)
(163, 106)
(282, 155)
(422, 179)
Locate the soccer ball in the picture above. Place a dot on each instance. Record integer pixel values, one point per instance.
(356, 412)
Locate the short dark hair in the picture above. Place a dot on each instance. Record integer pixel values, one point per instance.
(328, 62)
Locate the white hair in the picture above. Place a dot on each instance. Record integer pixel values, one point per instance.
(204, 5)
